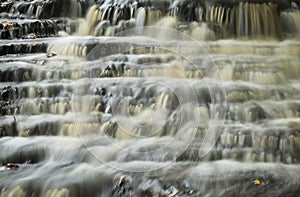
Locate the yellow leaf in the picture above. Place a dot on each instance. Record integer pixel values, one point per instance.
(256, 182)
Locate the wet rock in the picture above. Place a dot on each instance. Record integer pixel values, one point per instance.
(11, 166)
(109, 128)
(122, 187)
(28, 29)
(101, 91)
(20, 48)
(45, 9)
(49, 55)
(256, 113)
(171, 192)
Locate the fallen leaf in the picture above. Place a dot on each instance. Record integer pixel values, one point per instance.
(256, 182)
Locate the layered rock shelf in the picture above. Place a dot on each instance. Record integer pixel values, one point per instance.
(149, 98)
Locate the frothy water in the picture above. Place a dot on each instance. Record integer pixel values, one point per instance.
(149, 98)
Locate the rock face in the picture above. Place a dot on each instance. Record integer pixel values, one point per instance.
(44, 9)
(95, 101)
(232, 19)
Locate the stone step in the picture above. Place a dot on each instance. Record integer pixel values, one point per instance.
(16, 29)
(23, 48)
(101, 98)
(44, 9)
(228, 47)
(60, 67)
(244, 143)
(262, 111)
(105, 46)
(142, 90)
(110, 46)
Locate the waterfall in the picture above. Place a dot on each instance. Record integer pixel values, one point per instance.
(255, 20)
(149, 98)
(140, 20)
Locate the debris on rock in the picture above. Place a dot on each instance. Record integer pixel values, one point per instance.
(51, 55)
(10, 166)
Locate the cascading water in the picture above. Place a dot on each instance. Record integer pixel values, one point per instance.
(150, 98)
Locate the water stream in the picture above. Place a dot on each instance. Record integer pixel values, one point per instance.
(150, 98)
